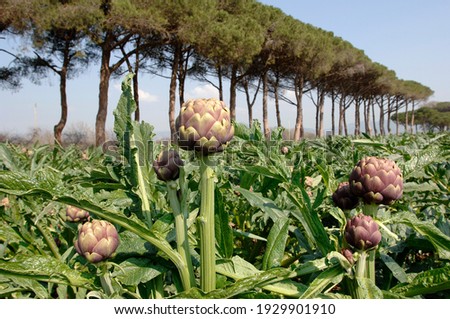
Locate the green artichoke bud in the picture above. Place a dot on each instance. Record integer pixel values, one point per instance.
(204, 125)
(344, 198)
(167, 165)
(377, 180)
(361, 232)
(75, 214)
(97, 240)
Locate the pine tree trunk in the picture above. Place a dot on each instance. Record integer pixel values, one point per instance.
(137, 113)
(182, 72)
(277, 101)
(333, 129)
(357, 116)
(389, 112)
(345, 123)
(299, 131)
(367, 127)
(105, 74)
(320, 110)
(219, 75)
(172, 92)
(58, 128)
(406, 116)
(397, 122)
(249, 102)
(233, 86)
(381, 105)
(412, 117)
(265, 107)
(341, 114)
(374, 119)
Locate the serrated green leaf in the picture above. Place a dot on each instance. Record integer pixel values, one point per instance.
(397, 271)
(310, 220)
(265, 204)
(134, 271)
(427, 282)
(276, 243)
(132, 243)
(425, 228)
(368, 289)
(8, 234)
(327, 279)
(260, 279)
(43, 268)
(7, 158)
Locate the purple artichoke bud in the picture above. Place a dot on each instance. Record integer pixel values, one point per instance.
(377, 180)
(348, 254)
(75, 214)
(167, 165)
(97, 240)
(344, 198)
(204, 125)
(361, 232)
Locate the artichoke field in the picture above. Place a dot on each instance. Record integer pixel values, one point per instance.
(341, 217)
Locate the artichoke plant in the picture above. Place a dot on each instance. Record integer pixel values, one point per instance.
(167, 165)
(204, 125)
(75, 214)
(97, 240)
(344, 198)
(377, 181)
(362, 233)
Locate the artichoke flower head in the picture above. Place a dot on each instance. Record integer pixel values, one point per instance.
(362, 232)
(344, 198)
(97, 240)
(377, 180)
(204, 125)
(167, 165)
(75, 214)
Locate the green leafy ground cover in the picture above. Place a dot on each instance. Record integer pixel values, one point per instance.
(278, 234)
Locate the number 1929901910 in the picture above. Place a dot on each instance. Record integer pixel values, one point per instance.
(296, 308)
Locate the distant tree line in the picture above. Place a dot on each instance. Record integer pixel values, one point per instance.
(257, 48)
(434, 116)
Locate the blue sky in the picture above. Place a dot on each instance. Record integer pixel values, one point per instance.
(409, 37)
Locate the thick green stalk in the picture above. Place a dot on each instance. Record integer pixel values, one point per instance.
(105, 279)
(371, 265)
(371, 210)
(49, 240)
(360, 273)
(142, 189)
(206, 227)
(181, 233)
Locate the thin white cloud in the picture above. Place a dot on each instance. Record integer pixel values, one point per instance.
(145, 96)
(203, 91)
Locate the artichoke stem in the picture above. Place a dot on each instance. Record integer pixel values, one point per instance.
(105, 279)
(206, 227)
(371, 265)
(181, 234)
(142, 190)
(360, 273)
